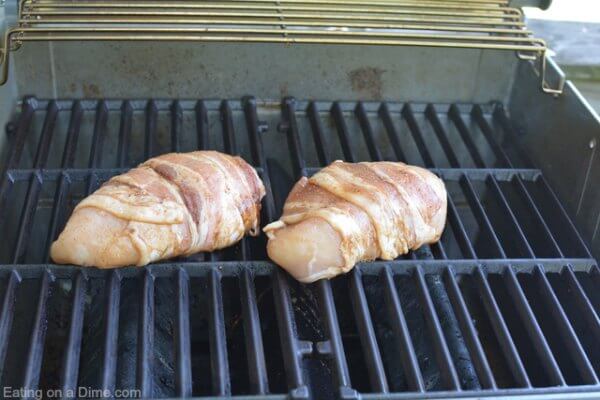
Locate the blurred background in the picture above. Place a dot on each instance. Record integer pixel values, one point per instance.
(572, 30)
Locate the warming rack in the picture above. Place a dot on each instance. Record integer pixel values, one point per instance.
(471, 24)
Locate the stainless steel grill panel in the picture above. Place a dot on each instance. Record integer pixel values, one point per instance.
(471, 25)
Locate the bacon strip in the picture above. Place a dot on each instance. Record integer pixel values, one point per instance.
(377, 209)
(171, 205)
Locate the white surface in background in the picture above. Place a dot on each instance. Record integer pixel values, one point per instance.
(568, 10)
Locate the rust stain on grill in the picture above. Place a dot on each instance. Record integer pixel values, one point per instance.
(90, 90)
(367, 81)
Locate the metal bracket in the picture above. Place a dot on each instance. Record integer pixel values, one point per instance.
(4, 57)
(542, 72)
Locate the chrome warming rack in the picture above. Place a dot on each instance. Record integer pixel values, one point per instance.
(473, 24)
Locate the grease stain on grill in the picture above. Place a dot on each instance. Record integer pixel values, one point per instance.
(367, 81)
(90, 90)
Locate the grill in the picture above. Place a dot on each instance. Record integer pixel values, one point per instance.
(506, 303)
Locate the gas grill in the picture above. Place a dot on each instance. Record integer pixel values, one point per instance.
(506, 304)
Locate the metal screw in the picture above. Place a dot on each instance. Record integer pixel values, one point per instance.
(263, 126)
(10, 128)
(283, 127)
(593, 143)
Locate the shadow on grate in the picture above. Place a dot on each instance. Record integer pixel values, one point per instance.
(505, 303)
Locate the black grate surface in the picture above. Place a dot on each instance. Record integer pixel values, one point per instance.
(506, 303)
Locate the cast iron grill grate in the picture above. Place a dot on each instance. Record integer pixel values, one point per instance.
(507, 302)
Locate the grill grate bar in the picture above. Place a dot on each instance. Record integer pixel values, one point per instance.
(431, 114)
(202, 125)
(486, 129)
(585, 307)
(534, 331)
(111, 331)
(524, 193)
(57, 212)
(28, 107)
(310, 13)
(33, 361)
(366, 332)
(254, 128)
(566, 331)
(72, 135)
(523, 243)
(257, 368)
(252, 125)
(293, 349)
(466, 136)
(444, 359)
(365, 125)
(464, 242)
(231, 147)
(562, 213)
(481, 215)
(375, 154)
(480, 362)
(402, 334)
(31, 201)
(124, 133)
(150, 129)
(258, 152)
(398, 7)
(199, 269)
(227, 126)
(95, 159)
(415, 130)
(70, 368)
(183, 374)
(500, 115)
(291, 126)
(501, 330)
(27, 216)
(386, 117)
(176, 121)
(201, 114)
(317, 129)
(221, 382)
(334, 345)
(7, 314)
(449, 174)
(409, 116)
(41, 155)
(93, 183)
(434, 120)
(439, 246)
(145, 353)
(342, 130)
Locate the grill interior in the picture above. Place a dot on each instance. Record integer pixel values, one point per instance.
(504, 303)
